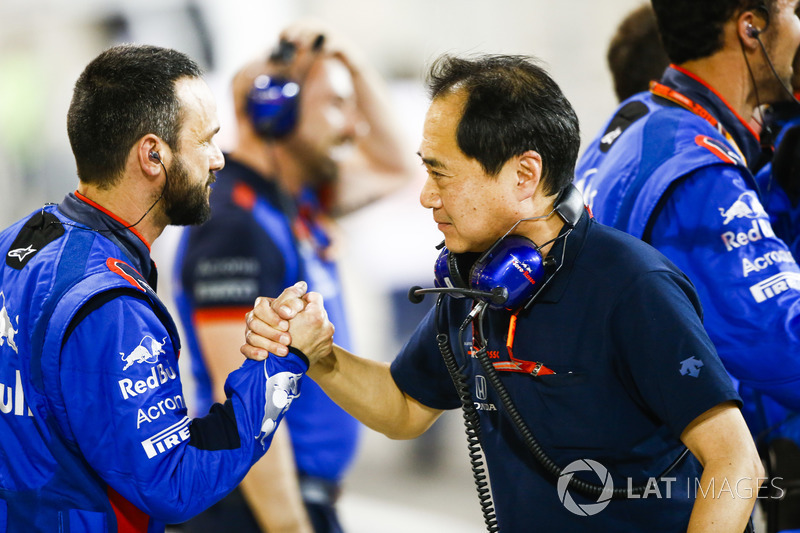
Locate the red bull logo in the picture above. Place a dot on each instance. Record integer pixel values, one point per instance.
(145, 352)
(736, 239)
(159, 375)
(7, 331)
(746, 206)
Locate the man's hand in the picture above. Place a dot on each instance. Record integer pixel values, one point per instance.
(317, 37)
(296, 318)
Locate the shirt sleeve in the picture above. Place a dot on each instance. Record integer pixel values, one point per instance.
(665, 353)
(126, 411)
(714, 228)
(231, 260)
(419, 369)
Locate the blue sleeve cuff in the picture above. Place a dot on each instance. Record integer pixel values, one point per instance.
(301, 355)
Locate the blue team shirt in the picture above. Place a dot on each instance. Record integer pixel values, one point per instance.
(667, 176)
(96, 435)
(259, 241)
(620, 326)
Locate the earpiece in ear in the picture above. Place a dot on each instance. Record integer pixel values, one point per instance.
(752, 31)
(154, 156)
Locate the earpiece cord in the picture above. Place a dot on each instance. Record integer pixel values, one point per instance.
(792, 97)
(765, 137)
(760, 120)
(160, 196)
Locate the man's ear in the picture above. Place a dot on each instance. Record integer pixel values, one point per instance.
(749, 25)
(150, 153)
(529, 173)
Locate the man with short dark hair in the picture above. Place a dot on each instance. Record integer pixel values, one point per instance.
(94, 427)
(578, 345)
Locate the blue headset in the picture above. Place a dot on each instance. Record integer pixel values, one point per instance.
(273, 102)
(512, 266)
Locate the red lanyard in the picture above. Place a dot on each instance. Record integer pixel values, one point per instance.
(685, 102)
(518, 365)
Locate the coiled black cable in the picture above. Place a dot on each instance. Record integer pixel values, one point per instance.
(472, 423)
(472, 428)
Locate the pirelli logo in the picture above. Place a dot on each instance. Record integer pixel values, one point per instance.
(775, 285)
(167, 439)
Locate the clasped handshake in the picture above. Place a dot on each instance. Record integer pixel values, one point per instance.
(296, 318)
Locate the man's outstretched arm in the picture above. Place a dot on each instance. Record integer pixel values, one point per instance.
(362, 387)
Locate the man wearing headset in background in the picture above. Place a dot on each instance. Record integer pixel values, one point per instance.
(609, 362)
(675, 168)
(94, 430)
(316, 136)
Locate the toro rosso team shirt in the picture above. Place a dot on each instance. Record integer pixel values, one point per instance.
(619, 325)
(102, 441)
(668, 176)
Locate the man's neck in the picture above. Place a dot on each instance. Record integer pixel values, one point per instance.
(542, 231)
(727, 73)
(128, 205)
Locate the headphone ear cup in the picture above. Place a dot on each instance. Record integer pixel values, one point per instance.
(513, 263)
(273, 106)
(447, 272)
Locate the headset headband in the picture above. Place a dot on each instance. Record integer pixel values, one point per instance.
(569, 205)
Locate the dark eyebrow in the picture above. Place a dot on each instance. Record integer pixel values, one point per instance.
(432, 162)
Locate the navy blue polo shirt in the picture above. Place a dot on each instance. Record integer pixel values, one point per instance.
(259, 241)
(621, 328)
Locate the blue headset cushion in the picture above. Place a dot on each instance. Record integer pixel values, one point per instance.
(513, 263)
(273, 106)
